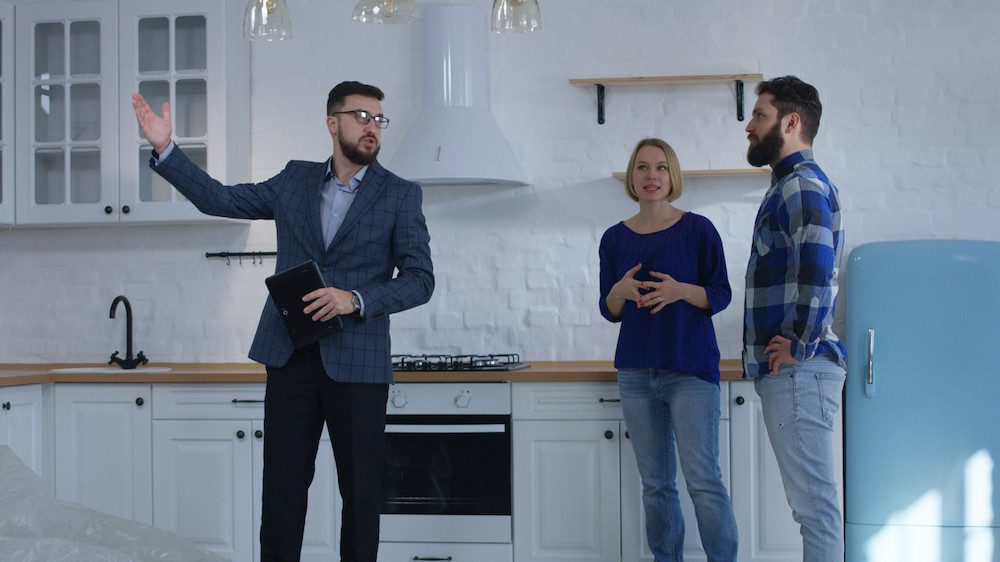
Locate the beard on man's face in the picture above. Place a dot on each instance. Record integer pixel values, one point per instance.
(356, 155)
(767, 149)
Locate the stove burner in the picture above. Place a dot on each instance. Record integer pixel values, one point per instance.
(492, 362)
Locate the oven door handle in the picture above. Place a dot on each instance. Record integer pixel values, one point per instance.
(446, 428)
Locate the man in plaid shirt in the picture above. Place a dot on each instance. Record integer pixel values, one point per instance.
(798, 363)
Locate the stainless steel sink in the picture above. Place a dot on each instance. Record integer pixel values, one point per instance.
(111, 370)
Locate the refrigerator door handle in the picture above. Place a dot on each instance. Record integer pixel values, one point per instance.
(870, 377)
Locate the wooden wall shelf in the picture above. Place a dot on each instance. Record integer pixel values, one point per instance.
(713, 173)
(600, 83)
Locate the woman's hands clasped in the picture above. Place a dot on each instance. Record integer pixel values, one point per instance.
(660, 293)
(646, 294)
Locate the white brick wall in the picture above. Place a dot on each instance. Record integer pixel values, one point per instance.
(909, 134)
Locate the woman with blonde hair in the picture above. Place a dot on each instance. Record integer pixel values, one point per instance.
(663, 276)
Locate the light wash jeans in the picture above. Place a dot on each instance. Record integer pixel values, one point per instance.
(663, 408)
(799, 405)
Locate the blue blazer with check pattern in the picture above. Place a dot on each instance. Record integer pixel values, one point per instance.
(384, 230)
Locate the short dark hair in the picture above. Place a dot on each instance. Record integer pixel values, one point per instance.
(793, 95)
(335, 101)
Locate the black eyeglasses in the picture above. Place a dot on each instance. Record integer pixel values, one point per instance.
(363, 117)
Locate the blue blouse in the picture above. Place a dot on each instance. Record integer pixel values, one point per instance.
(680, 337)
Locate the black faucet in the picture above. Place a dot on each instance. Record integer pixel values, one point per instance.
(129, 362)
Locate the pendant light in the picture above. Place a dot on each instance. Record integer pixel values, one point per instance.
(386, 11)
(517, 16)
(267, 20)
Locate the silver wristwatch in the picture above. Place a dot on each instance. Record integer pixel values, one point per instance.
(356, 302)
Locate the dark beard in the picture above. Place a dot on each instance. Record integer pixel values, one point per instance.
(356, 156)
(767, 149)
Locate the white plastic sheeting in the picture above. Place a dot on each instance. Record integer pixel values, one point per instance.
(35, 526)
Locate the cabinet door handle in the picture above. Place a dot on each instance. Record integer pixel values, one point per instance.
(240, 434)
(108, 210)
(126, 209)
(6, 406)
(609, 434)
(432, 558)
(258, 434)
(139, 401)
(740, 400)
(609, 400)
(238, 401)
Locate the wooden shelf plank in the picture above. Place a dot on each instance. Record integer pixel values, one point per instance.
(655, 80)
(713, 173)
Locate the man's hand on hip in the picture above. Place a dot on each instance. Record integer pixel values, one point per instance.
(779, 352)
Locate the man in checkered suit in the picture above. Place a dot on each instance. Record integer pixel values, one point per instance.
(360, 223)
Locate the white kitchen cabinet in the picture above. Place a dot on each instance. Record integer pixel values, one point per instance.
(566, 490)
(767, 530)
(192, 54)
(24, 425)
(208, 453)
(202, 479)
(577, 490)
(567, 471)
(103, 458)
(80, 158)
(6, 113)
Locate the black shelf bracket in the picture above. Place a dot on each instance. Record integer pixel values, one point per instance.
(600, 103)
(739, 100)
(255, 257)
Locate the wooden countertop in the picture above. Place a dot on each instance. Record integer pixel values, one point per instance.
(14, 374)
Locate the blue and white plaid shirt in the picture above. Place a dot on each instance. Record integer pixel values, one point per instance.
(791, 281)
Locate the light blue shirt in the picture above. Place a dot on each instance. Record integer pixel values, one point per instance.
(337, 199)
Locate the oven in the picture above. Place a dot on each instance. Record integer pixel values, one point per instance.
(447, 476)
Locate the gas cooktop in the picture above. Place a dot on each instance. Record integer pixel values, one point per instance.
(491, 362)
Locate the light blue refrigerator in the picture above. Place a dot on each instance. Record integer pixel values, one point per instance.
(922, 402)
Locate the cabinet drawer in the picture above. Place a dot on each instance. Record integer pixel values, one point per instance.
(464, 552)
(566, 401)
(208, 401)
(580, 401)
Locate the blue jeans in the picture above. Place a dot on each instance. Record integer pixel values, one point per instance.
(663, 408)
(799, 405)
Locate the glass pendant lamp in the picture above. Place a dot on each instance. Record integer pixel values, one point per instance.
(267, 20)
(386, 11)
(517, 16)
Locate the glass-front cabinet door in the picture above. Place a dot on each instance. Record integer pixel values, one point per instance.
(80, 157)
(6, 113)
(190, 54)
(67, 126)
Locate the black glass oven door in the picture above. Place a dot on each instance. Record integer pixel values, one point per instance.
(447, 465)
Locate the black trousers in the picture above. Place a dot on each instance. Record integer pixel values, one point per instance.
(299, 399)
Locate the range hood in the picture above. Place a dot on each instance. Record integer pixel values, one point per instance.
(455, 140)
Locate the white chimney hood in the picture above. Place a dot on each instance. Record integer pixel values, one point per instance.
(455, 140)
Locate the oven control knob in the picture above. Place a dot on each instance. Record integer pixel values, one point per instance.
(463, 399)
(398, 400)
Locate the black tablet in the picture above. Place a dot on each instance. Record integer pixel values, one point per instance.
(287, 289)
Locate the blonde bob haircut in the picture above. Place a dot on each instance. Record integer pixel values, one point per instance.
(673, 167)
